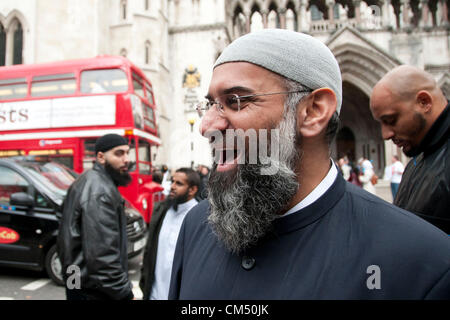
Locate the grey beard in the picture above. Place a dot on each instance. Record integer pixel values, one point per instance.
(245, 203)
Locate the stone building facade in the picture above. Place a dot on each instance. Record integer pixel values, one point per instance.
(176, 43)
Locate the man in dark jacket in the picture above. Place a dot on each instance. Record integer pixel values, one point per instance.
(92, 241)
(163, 232)
(415, 114)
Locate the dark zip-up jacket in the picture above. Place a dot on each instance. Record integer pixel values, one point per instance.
(425, 185)
(92, 236)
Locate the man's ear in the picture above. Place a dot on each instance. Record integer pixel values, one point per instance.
(314, 116)
(424, 100)
(101, 157)
(192, 191)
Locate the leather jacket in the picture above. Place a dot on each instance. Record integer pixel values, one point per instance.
(425, 185)
(92, 235)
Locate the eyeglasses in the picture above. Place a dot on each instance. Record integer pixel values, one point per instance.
(233, 102)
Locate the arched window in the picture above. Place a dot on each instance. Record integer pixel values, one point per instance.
(316, 14)
(123, 9)
(123, 52)
(256, 22)
(273, 20)
(291, 20)
(239, 22)
(336, 11)
(17, 42)
(2, 46)
(291, 17)
(146, 4)
(148, 52)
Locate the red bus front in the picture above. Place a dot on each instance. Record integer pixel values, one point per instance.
(56, 111)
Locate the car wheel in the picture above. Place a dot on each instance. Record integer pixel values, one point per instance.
(53, 266)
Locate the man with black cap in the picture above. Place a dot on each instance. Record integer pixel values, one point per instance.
(288, 226)
(92, 240)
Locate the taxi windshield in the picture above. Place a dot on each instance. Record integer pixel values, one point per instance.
(53, 176)
(58, 175)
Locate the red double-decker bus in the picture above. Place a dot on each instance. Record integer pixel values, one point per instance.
(56, 111)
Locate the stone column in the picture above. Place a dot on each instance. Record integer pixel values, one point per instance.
(406, 8)
(444, 12)
(265, 18)
(330, 4)
(247, 21)
(301, 16)
(357, 4)
(385, 13)
(9, 54)
(425, 13)
(282, 15)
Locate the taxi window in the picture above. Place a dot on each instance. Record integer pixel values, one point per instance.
(41, 202)
(11, 182)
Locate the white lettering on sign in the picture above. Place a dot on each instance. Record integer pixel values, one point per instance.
(43, 143)
(58, 113)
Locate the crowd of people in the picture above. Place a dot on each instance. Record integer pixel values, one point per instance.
(362, 174)
(305, 231)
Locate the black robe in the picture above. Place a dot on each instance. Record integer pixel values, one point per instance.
(348, 244)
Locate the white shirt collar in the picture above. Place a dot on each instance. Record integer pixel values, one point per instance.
(318, 191)
(186, 206)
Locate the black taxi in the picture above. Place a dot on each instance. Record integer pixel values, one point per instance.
(31, 197)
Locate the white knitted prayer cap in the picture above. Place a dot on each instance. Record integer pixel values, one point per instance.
(294, 55)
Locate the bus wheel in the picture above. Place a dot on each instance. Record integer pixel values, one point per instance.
(53, 266)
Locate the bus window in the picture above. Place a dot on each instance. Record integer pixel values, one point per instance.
(62, 156)
(149, 116)
(149, 93)
(137, 85)
(13, 88)
(144, 157)
(104, 80)
(53, 85)
(89, 154)
(132, 156)
(11, 153)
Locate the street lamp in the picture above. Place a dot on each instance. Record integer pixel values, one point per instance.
(191, 121)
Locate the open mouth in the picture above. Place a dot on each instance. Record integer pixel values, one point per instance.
(226, 159)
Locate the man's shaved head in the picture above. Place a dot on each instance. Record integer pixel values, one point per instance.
(404, 82)
(406, 102)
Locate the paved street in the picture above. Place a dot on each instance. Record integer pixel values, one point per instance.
(383, 188)
(16, 284)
